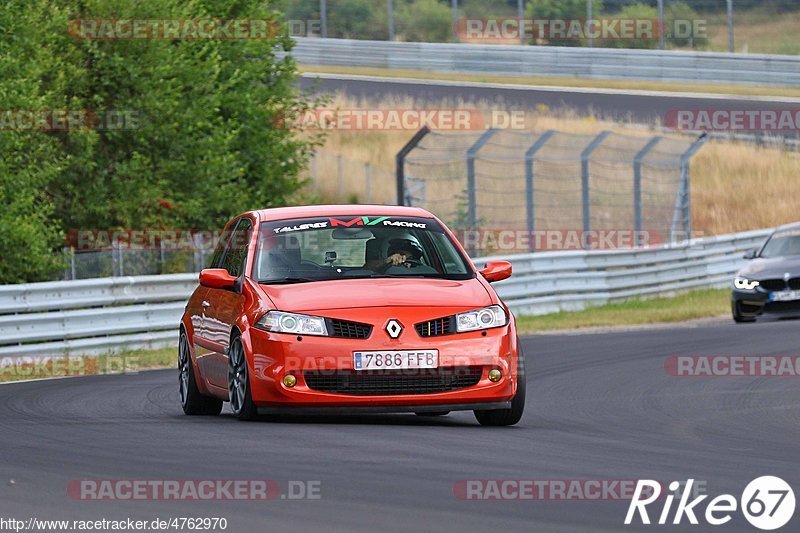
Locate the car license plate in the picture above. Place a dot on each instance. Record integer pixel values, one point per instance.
(784, 296)
(387, 360)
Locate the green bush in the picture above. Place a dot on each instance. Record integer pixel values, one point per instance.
(424, 20)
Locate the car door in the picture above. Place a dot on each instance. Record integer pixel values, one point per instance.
(225, 306)
(204, 349)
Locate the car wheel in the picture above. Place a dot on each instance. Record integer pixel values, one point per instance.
(512, 415)
(239, 382)
(433, 413)
(738, 318)
(192, 401)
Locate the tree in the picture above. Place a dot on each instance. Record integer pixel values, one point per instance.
(29, 159)
(425, 20)
(204, 142)
(561, 10)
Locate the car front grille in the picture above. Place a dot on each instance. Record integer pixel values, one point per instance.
(772, 284)
(794, 284)
(393, 382)
(436, 327)
(348, 330)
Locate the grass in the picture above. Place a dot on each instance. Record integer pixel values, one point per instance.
(38, 367)
(696, 304)
(762, 30)
(735, 186)
(554, 81)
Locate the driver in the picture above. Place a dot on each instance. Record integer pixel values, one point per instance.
(399, 253)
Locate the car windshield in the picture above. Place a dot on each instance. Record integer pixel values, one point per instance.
(782, 244)
(327, 248)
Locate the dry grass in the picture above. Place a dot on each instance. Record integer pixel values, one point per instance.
(757, 31)
(735, 186)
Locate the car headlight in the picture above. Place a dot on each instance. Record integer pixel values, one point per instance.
(488, 317)
(281, 322)
(744, 284)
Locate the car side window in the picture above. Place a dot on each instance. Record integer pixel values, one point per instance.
(236, 251)
(222, 246)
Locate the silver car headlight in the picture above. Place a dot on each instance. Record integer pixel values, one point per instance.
(744, 284)
(488, 317)
(294, 323)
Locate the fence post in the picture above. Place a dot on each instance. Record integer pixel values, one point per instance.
(368, 184)
(323, 15)
(390, 18)
(454, 9)
(340, 174)
(472, 153)
(530, 203)
(637, 187)
(661, 36)
(400, 163)
(683, 198)
(731, 47)
(314, 177)
(161, 254)
(114, 260)
(73, 268)
(585, 155)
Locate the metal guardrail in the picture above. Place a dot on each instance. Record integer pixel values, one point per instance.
(111, 314)
(604, 63)
(549, 282)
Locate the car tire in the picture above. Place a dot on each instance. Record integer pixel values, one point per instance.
(738, 318)
(433, 413)
(512, 415)
(239, 394)
(193, 402)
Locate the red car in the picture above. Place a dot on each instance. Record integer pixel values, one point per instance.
(348, 309)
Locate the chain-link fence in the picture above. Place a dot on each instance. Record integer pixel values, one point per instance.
(334, 177)
(556, 182)
(120, 259)
(331, 178)
(720, 25)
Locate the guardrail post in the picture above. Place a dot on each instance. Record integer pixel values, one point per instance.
(530, 199)
(585, 155)
(400, 163)
(637, 187)
(472, 153)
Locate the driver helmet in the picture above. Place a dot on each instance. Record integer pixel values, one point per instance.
(407, 245)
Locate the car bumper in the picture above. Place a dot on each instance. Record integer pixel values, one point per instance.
(750, 304)
(377, 409)
(275, 355)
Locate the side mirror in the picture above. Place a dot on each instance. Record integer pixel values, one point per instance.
(217, 278)
(496, 271)
(751, 254)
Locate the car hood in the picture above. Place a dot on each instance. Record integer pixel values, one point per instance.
(351, 293)
(775, 267)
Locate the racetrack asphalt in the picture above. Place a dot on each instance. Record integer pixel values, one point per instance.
(638, 107)
(599, 406)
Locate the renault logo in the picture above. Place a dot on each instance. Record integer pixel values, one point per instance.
(394, 328)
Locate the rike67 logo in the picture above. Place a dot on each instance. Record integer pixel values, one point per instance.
(767, 503)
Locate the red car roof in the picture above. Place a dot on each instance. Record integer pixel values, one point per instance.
(308, 211)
